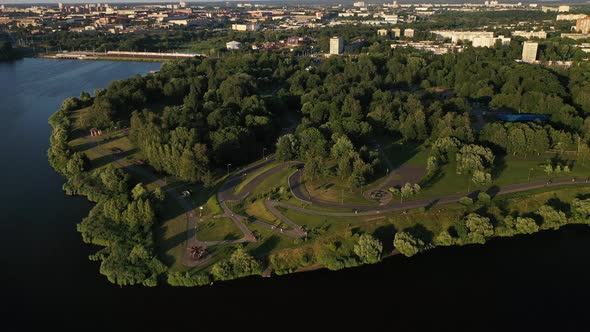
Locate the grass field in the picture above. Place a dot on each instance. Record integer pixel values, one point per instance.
(218, 229)
(252, 175)
(171, 235)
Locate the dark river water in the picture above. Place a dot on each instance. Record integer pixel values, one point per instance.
(536, 282)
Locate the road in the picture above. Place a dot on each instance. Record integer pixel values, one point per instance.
(226, 195)
(299, 191)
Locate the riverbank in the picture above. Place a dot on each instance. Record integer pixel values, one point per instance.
(119, 56)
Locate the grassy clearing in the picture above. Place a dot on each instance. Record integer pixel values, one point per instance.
(269, 241)
(399, 152)
(532, 200)
(258, 210)
(279, 179)
(171, 235)
(516, 170)
(252, 175)
(218, 229)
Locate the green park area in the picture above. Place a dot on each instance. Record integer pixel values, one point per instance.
(215, 169)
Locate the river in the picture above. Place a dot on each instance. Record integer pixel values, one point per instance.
(47, 280)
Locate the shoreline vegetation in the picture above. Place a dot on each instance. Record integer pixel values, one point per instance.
(107, 58)
(8, 53)
(374, 122)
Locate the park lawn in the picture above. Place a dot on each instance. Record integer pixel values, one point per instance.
(200, 196)
(517, 169)
(252, 175)
(334, 189)
(269, 241)
(216, 254)
(218, 229)
(277, 180)
(530, 201)
(258, 210)
(171, 235)
(448, 182)
(401, 153)
(330, 224)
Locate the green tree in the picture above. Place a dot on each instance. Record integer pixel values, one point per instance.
(368, 249)
(407, 243)
(479, 228)
(552, 219)
(287, 147)
(139, 191)
(526, 225)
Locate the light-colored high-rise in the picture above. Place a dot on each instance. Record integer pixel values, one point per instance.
(583, 25)
(336, 45)
(529, 52)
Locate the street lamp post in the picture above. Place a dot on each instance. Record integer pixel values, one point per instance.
(263, 149)
(200, 211)
(529, 177)
(228, 165)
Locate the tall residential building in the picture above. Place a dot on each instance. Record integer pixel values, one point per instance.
(336, 45)
(583, 24)
(60, 6)
(529, 52)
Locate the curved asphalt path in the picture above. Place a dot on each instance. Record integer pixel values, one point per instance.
(226, 194)
(300, 192)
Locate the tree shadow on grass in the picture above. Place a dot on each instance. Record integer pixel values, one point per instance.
(111, 158)
(385, 234)
(91, 144)
(164, 245)
(430, 180)
(499, 166)
(267, 246)
(559, 205)
(420, 232)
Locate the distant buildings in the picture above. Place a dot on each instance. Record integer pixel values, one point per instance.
(359, 4)
(489, 41)
(530, 34)
(382, 32)
(336, 45)
(430, 46)
(456, 36)
(233, 45)
(529, 52)
(396, 32)
(409, 33)
(583, 25)
(575, 36)
(390, 18)
(245, 27)
(569, 17)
